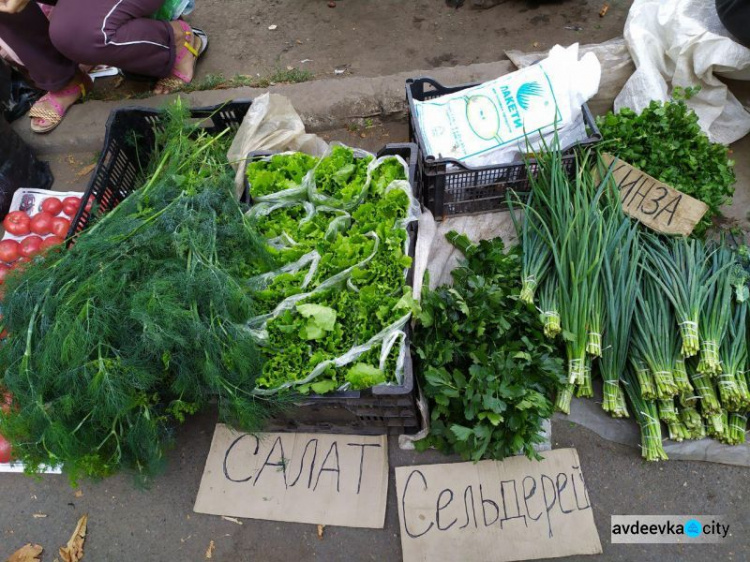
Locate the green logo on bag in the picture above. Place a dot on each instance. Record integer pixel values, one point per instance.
(526, 92)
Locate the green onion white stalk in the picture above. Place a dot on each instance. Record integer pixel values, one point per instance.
(537, 255)
(682, 269)
(549, 307)
(732, 384)
(647, 416)
(654, 336)
(716, 312)
(620, 281)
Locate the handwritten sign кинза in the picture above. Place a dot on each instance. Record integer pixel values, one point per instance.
(655, 204)
(298, 477)
(516, 509)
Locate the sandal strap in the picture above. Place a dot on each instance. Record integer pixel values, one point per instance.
(41, 111)
(171, 83)
(49, 108)
(193, 51)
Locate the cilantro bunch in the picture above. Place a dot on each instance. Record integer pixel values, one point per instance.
(484, 363)
(666, 142)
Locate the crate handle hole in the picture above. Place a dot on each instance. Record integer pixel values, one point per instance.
(202, 122)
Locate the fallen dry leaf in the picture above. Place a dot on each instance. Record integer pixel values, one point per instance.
(85, 171)
(73, 551)
(604, 10)
(39, 515)
(210, 549)
(78, 494)
(321, 529)
(231, 519)
(27, 553)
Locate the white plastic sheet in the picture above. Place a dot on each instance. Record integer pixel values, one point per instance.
(683, 43)
(271, 124)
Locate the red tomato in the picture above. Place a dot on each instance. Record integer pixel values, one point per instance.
(50, 242)
(52, 205)
(4, 269)
(30, 246)
(17, 223)
(41, 223)
(3, 334)
(5, 450)
(70, 210)
(60, 226)
(71, 205)
(8, 250)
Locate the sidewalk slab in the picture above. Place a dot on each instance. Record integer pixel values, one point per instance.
(322, 104)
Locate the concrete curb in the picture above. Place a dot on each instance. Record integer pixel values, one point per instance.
(322, 104)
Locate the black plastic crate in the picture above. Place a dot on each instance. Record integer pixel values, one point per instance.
(373, 411)
(129, 143)
(465, 189)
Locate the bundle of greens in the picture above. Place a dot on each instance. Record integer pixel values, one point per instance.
(566, 214)
(682, 268)
(549, 306)
(666, 141)
(646, 414)
(655, 338)
(141, 322)
(620, 281)
(637, 308)
(716, 310)
(277, 174)
(484, 363)
(340, 178)
(536, 253)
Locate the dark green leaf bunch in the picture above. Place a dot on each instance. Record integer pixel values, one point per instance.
(140, 323)
(666, 142)
(484, 363)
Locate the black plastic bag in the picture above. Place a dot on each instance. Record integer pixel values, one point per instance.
(18, 167)
(16, 95)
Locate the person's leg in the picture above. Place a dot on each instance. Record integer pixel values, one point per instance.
(27, 33)
(115, 32)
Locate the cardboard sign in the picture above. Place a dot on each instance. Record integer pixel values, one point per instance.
(495, 511)
(297, 477)
(655, 204)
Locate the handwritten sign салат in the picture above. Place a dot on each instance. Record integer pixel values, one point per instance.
(299, 477)
(654, 203)
(516, 509)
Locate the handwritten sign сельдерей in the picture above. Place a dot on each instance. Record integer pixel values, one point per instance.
(496, 511)
(655, 204)
(299, 477)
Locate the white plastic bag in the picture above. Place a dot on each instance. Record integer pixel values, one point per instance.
(683, 43)
(270, 124)
(490, 123)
